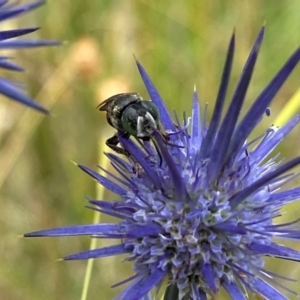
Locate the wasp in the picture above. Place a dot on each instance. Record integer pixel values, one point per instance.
(131, 116)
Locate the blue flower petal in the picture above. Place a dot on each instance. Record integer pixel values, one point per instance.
(209, 275)
(143, 285)
(196, 131)
(155, 97)
(140, 157)
(234, 291)
(124, 281)
(97, 253)
(120, 207)
(113, 210)
(10, 90)
(216, 117)
(220, 148)
(8, 34)
(110, 185)
(10, 12)
(3, 2)
(99, 230)
(275, 282)
(17, 44)
(267, 290)
(128, 183)
(94, 229)
(259, 107)
(274, 138)
(109, 212)
(139, 231)
(119, 161)
(285, 197)
(178, 183)
(8, 65)
(197, 293)
(242, 195)
(276, 250)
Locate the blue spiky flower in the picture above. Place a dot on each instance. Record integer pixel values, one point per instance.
(8, 10)
(199, 214)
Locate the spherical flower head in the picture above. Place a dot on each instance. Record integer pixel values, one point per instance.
(198, 201)
(8, 10)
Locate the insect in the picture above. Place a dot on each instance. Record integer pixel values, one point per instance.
(131, 116)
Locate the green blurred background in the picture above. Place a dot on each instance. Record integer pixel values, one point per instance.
(181, 44)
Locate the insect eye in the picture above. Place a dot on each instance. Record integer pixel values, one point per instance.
(151, 108)
(129, 120)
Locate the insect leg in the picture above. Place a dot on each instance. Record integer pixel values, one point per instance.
(114, 141)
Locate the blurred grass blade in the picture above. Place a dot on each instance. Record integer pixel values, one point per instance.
(289, 110)
(96, 219)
